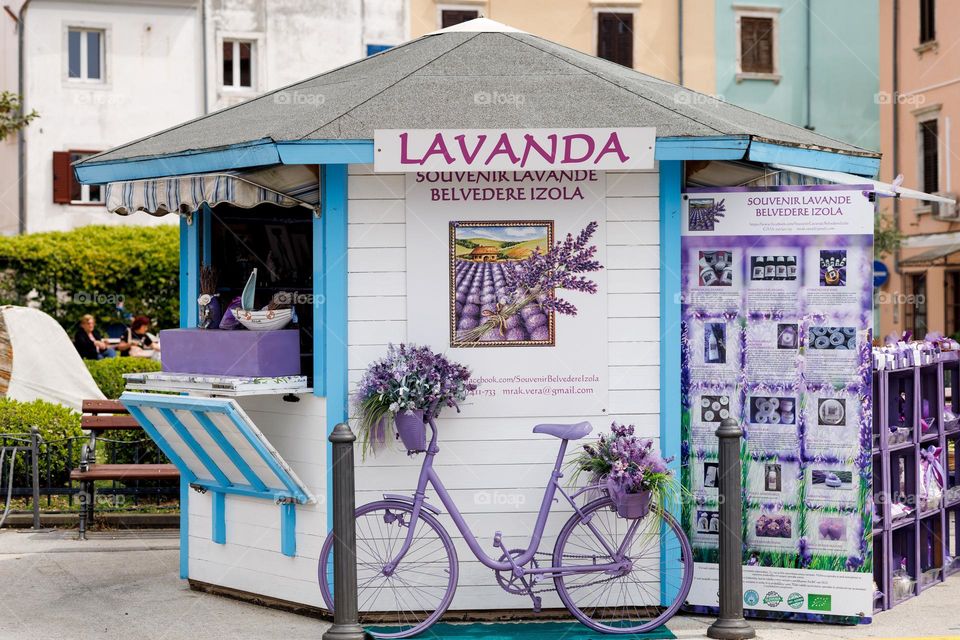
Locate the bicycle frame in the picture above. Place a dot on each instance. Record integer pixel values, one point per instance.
(428, 476)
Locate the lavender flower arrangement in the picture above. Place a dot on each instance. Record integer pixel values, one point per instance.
(625, 463)
(537, 278)
(410, 378)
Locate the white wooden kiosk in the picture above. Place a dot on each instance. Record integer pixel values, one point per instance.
(377, 224)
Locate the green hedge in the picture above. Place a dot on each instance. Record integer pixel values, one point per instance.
(55, 423)
(108, 373)
(90, 269)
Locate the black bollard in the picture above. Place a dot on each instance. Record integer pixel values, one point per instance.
(345, 613)
(730, 624)
(35, 474)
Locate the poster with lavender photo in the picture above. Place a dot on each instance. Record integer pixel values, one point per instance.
(507, 273)
(795, 324)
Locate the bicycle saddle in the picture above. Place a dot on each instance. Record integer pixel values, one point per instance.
(565, 431)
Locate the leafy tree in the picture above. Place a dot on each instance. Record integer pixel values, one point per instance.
(11, 120)
(886, 237)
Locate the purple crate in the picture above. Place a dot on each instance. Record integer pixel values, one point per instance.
(879, 406)
(881, 575)
(931, 402)
(902, 404)
(231, 353)
(951, 384)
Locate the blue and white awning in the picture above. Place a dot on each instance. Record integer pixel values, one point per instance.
(285, 186)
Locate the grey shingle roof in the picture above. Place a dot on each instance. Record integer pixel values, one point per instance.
(434, 82)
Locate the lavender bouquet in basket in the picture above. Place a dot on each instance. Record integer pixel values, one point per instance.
(629, 468)
(405, 386)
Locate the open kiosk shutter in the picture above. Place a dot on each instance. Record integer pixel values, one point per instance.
(219, 450)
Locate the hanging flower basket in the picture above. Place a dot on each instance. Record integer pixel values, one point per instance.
(409, 382)
(629, 469)
(632, 505)
(411, 430)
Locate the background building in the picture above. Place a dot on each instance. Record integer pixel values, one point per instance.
(105, 72)
(811, 63)
(920, 92)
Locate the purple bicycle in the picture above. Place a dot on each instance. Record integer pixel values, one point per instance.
(614, 574)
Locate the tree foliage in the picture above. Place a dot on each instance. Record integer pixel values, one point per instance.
(93, 269)
(11, 120)
(886, 237)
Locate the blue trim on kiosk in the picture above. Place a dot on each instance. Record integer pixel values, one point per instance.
(333, 199)
(248, 154)
(671, 184)
(708, 148)
(766, 152)
(333, 152)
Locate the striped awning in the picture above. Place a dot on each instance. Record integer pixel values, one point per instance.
(284, 185)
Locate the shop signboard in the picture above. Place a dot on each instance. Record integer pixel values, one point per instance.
(413, 150)
(776, 309)
(478, 250)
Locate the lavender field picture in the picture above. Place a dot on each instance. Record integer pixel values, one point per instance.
(504, 278)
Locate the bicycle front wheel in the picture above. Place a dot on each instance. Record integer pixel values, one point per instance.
(407, 599)
(650, 582)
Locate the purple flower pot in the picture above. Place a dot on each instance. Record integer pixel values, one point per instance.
(411, 430)
(632, 505)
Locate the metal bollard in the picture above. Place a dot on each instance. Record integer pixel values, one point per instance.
(345, 614)
(730, 624)
(35, 473)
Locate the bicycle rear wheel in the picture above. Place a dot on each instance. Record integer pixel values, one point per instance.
(418, 591)
(650, 586)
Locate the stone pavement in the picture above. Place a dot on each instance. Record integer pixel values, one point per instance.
(53, 587)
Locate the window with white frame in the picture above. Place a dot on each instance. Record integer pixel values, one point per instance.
(757, 42)
(86, 56)
(239, 64)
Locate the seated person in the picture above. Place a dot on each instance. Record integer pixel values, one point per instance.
(88, 342)
(140, 342)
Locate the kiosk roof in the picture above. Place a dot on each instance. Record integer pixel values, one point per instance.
(471, 77)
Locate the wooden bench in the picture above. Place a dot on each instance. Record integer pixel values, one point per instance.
(101, 416)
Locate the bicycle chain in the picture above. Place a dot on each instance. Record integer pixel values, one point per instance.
(569, 555)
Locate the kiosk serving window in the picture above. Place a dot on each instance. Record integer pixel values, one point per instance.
(277, 241)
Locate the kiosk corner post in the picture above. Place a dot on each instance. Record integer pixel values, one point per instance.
(345, 614)
(730, 624)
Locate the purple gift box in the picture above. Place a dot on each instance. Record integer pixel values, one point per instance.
(231, 353)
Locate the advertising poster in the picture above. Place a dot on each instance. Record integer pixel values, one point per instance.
(776, 310)
(507, 268)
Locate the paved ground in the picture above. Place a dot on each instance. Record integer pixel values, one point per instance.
(52, 588)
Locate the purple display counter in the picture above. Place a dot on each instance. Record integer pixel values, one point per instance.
(231, 353)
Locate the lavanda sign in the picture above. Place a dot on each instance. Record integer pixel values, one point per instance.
(403, 150)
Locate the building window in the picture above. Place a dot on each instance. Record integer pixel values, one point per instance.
(66, 189)
(929, 155)
(757, 45)
(615, 37)
(951, 296)
(238, 63)
(915, 313)
(451, 17)
(928, 32)
(85, 55)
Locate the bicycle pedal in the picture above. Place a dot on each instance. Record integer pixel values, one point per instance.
(497, 539)
(536, 603)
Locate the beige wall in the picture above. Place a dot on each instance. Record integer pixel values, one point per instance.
(573, 23)
(929, 86)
